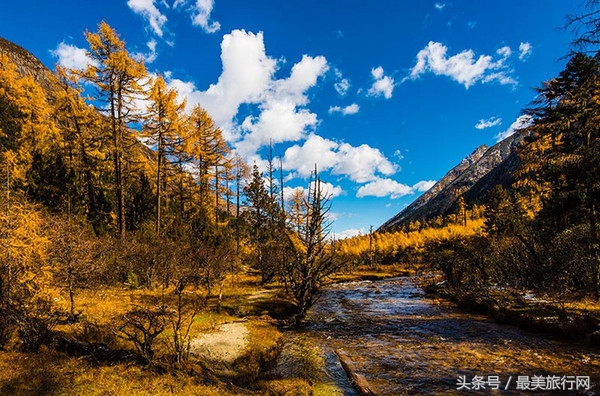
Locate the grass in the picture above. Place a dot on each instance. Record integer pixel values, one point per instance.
(51, 373)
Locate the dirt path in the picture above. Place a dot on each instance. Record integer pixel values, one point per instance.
(223, 346)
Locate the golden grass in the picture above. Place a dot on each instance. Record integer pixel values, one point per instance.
(53, 373)
(375, 272)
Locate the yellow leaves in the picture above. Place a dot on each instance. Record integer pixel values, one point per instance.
(390, 243)
(22, 233)
(30, 117)
(8, 73)
(105, 42)
(297, 243)
(23, 249)
(164, 118)
(113, 70)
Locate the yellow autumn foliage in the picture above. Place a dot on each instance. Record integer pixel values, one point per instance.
(388, 245)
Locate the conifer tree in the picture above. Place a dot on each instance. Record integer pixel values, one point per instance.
(163, 129)
(27, 125)
(206, 149)
(118, 79)
(85, 150)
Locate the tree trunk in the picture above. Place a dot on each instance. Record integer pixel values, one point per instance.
(594, 248)
(158, 185)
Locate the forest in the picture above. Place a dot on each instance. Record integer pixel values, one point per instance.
(111, 185)
(128, 226)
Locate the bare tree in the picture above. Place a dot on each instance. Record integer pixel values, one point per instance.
(71, 251)
(586, 28)
(142, 326)
(314, 251)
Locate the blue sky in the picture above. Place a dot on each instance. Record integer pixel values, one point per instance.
(385, 96)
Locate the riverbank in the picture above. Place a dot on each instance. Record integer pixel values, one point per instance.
(569, 317)
(574, 318)
(238, 345)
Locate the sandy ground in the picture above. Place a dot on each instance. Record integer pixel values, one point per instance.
(223, 346)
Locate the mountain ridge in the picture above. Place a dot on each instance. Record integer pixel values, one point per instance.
(476, 174)
(27, 64)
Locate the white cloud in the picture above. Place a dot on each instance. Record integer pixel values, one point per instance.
(521, 122)
(424, 185)
(315, 150)
(384, 188)
(278, 122)
(524, 50)
(304, 76)
(248, 77)
(72, 57)
(348, 110)
(148, 10)
(504, 52)
(281, 113)
(490, 122)
(247, 74)
(203, 9)
(327, 190)
(342, 85)
(391, 188)
(463, 67)
(150, 56)
(360, 164)
(440, 6)
(383, 85)
(349, 233)
(283, 117)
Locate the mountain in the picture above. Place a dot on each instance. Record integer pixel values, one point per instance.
(27, 63)
(473, 177)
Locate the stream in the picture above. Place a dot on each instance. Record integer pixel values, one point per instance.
(404, 343)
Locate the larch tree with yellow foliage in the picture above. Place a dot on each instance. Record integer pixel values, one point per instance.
(163, 129)
(25, 274)
(118, 80)
(27, 125)
(85, 150)
(206, 149)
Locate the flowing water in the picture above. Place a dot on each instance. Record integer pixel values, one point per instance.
(406, 343)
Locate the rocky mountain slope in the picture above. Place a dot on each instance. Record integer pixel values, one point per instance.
(27, 63)
(479, 172)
